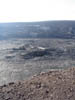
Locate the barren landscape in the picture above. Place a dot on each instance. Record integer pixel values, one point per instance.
(23, 58)
(53, 85)
(37, 61)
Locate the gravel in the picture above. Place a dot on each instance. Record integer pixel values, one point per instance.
(53, 85)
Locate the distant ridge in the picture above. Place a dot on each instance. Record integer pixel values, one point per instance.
(45, 29)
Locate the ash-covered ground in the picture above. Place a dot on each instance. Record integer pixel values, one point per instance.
(23, 58)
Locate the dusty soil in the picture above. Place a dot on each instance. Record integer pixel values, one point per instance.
(54, 85)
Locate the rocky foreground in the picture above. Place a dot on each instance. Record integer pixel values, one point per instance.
(54, 85)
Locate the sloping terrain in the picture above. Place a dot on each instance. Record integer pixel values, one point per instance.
(53, 85)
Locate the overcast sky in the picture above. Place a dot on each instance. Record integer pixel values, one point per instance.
(36, 10)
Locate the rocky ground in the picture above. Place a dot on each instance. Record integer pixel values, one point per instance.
(53, 85)
(19, 57)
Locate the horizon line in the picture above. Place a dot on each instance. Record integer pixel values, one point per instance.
(34, 21)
